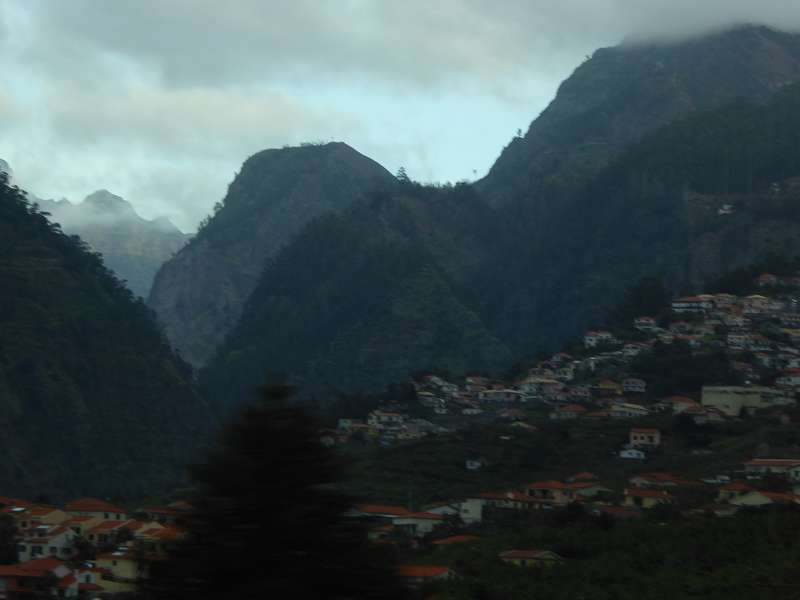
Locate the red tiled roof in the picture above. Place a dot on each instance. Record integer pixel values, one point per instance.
(109, 525)
(92, 505)
(382, 509)
(736, 486)
(572, 408)
(421, 570)
(89, 586)
(456, 539)
(547, 485)
(584, 476)
(423, 515)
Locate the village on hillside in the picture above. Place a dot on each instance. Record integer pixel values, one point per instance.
(599, 386)
(88, 548)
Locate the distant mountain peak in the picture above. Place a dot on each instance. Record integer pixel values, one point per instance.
(106, 203)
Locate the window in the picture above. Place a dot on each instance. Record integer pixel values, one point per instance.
(22, 548)
(53, 550)
(113, 563)
(87, 579)
(36, 550)
(105, 515)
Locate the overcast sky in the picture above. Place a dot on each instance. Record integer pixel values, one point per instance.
(160, 101)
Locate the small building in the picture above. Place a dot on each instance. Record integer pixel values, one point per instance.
(592, 339)
(632, 454)
(645, 324)
(642, 437)
(632, 385)
(732, 491)
(626, 410)
(645, 498)
(692, 304)
(418, 524)
(93, 507)
(531, 558)
(732, 401)
(567, 412)
(785, 467)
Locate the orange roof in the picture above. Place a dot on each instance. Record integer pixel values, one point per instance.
(382, 509)
(572, 408)
(421, 570)
(423, 515)
(547, 485)
(584, 476)
(736, 486)
(79, 519)
(6, 501)
(92, 505)
(109, 525)
(457, 539)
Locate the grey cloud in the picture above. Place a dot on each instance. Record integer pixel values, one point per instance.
(203, 41)
(161, 100)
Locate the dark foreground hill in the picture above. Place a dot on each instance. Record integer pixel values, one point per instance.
(92, 399)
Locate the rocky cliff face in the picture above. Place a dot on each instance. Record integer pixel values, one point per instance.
(198, 294)
(133, 247)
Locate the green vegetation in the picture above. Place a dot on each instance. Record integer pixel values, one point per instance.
(266, 521)
(92, 399)
(751, 555)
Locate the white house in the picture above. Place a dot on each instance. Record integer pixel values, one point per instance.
(625, 410)
(592, 339)
(632, 385)
(632, 454)
(787, 467)
(645, 324)
(644, 437)
(692, 304)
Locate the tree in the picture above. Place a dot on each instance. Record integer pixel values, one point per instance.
(268, 522)
(8, 540)
(402, 176)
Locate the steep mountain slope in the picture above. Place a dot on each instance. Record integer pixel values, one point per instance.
(620, 94)
(623, 176)
(198, 295)
(92, 400)
(366, 297)
(133, 247)
(660, 210)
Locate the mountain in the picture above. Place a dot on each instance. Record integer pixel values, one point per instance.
(198, 294)
(673, 161)
(133, 247)
(622, 93)
(365, 297)
(92, 399)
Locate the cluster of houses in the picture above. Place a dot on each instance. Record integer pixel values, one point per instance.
(52, 541)
(447, 523)
(760, 334)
